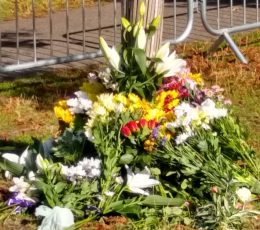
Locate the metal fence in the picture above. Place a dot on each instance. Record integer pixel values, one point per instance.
(72, 34)
(230, 17)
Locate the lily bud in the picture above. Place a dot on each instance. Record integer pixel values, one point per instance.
(141, 39)
(110, 54)
(126, 24)
(142, 9)
(155, 22)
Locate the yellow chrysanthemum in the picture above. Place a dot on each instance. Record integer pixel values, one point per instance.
(133, 98)
(121, 98)
(153, 113)
(62, 112)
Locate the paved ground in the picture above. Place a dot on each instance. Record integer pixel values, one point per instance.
(73, 44)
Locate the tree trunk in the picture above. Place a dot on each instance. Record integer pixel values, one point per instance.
(130, 10)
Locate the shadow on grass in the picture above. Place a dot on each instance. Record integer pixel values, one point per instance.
(46, 87)
(12, 146)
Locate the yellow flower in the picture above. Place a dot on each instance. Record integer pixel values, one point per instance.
(167, 100)
(121, 98)
(149, 145)
(197, 78)
(133, 98)
(153, 113)
(62, 112)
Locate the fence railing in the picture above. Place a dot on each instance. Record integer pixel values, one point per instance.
(72, 35)
(232, 17)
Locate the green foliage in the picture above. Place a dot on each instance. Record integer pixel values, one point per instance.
(70, 146)
(59, 192)
(137, 73)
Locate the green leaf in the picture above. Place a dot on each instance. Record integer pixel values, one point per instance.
(203, 146)
(156, 200)
(170, 173)
(60, 186)
(155, 171)
(184, 184)
(256, 188)
(140, 58)
(126, 158)
(125, 207)
(14, 168)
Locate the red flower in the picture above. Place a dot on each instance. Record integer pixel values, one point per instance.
(142, 123)
(132, 125)
(125, 131)
(152, 124)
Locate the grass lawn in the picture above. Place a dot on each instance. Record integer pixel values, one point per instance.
(26, 103)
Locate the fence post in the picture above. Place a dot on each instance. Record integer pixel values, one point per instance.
(130, 10)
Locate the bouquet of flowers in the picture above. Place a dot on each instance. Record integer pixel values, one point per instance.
(145, 139)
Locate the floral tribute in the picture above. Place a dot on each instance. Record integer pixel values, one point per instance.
(145, 139)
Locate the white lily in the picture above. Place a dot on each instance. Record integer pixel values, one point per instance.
(164, 51)
(54, 219)
(141, 39)
(170, 65)
(15, 159)
(137, 182)
(110, 54)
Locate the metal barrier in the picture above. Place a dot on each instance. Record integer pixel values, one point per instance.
(232, 22)
(41, 41)
(72, 35)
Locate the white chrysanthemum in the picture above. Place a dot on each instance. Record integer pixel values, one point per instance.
(98, 110)
(80, 104)
(91, 167)
(209, 108)
(87, 168)
(107, 101)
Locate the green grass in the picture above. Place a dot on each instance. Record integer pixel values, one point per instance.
(26, 104)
